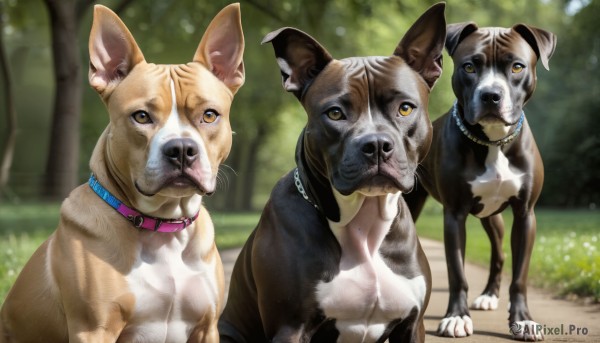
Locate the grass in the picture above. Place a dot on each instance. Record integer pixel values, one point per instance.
(232, 229)
(566, 255)
(25, 227)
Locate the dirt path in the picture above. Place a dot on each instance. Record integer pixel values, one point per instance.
(492, 326)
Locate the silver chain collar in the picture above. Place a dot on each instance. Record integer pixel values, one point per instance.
(301, 190)
(472, 137)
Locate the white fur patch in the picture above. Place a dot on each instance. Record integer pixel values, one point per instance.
(485, 302)
(170, 293)
(492, 80)
(526, 330)
(366, 295)
(455, 327)
(497, 184)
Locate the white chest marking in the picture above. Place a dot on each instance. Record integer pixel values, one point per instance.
(497, 184)
(366, 295)
(171, 293)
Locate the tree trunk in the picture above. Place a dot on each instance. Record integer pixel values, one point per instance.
(249, 176)
(6, 158)
(63, 155)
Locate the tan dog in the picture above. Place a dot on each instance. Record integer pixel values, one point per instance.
(98, 278)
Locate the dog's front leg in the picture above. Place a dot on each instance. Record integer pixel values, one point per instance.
(410, 329)
(488, 300)
(102, 323)
(457, 321)
(522, 238)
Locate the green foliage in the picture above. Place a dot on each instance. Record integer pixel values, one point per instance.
(267, 120)
(24, 227)
(567, 119)
(232, 229)
(569, 262)
(566, 254)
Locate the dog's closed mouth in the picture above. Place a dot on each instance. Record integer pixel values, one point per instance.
(494, 119)
(181, 181)
(375, 180)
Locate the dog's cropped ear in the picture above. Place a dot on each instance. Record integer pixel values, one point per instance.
(221, 49)
(421, 47)
(541, 41)
(113, 51)
(300, 58)
(455, 33)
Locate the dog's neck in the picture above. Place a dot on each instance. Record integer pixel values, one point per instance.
(491, 134)
(122, 187)
(364, 223)
(315, 183)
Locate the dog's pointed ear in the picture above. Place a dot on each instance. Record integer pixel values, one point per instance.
(221, 49)
(455, 33)
(299, 56)
(421, 47)
(541, 41)
(113, 51)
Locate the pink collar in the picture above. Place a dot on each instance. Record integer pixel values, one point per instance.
(138, 219)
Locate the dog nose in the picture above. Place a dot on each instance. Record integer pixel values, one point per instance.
(181, 151)
(491, 96)
(377, 146)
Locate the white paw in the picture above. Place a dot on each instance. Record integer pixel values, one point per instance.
(526, 330)
(485, 302)
(456, 327)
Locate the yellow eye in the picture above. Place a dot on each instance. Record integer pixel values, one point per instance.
(469, 68)
(405, 109)
(517, 68)
(142, 117)
(210, 116)
(335, 114)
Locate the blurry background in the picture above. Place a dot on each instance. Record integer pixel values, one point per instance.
(50, 118)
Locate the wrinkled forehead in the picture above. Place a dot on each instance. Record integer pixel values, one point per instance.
(155, 85)
(498, 42)
(362, 75)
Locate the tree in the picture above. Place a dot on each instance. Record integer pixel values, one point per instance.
(568, 106)
(63, 156)
(6, 157)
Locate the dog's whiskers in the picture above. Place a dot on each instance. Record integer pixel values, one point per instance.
(223, 177)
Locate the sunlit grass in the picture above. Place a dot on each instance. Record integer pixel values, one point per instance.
(566, 253)
(566, 256)
(23, 228)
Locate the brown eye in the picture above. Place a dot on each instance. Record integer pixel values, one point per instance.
(142, 117)
(517, 68)
(469, 67)
(210, 116)
(335, 113)
(405, 109)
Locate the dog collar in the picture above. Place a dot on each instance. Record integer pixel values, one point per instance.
(136, 218)
(472, 137)
(301, 190)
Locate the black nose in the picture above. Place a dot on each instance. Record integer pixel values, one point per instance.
(376, 146)
(181, 152)
(491, 96)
